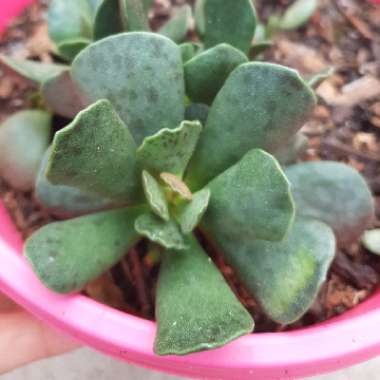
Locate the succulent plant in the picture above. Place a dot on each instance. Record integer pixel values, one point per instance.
(148, 162)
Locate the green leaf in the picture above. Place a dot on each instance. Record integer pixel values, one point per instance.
(200, 18)
(189, 50)
(141, 74)
(260, 106)
(164, 233)
(334, 193)
(196, 310)
(170, 150)
(63, 96)
(133, 15)
(34, 71)
(155, 196)
(96, 154)
(259, 48)
(315, 80)
(251, 199)
(177, 27)
(197, 112)
(67, 255)
(231, 22)
(69, 49)
(371, 240)
(190, 214)
(206, 73)
(108, 19)
(65, 201)
(94, 4)
(147, 4)
(24, 138)
(69, 19)
(284, 276)
(289, 153)
(298, 14)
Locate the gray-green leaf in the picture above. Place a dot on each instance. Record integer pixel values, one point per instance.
(284, 276)
(65, 201)
(371, 240)
(196, 310)
(69, 49)
(170, 150)
(190, 214)
(141, 74)
(298, 14)
(96, 154)
(155, 196)
(164, 233)
(35, 71)
(260, 106)
(232, 22)
(24, 138)
(63, 96)
(252, 199)
(67, 255)
(177, 27)
(206, 73)
(69, 19)
(334, 193)
(108, 19)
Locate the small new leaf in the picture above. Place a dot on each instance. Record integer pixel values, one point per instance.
(170, 150)
(371, 240)
(155, 196)
(190, 214)
(164, 233)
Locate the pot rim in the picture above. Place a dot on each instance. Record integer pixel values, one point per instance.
(342, 341)
(339, 342)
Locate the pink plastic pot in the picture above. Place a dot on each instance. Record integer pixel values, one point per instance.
(349, 339)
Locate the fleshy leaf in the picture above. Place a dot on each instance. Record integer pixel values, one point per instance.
(170, 150)
(34, 71)
(141, 74)
(67, 255)
(155, 196)
(250, 199)
(315, 80)
(108, 19)
(189, 50)
(69, 49)
(96, 154)
(334, 193)
(284, 276)
(259, 48)
(24, 138)
(69, 19)
(176, 28)
(371, 240)
(177, 186)
(232, 22)
(63, 96)
(165, 233)
(298, 14)
(196, 310)
(190, 214)
(289, 153)
(206, 73)
(197, 111)
(260, 106)
(134, 16)
(65, 201)
(200, 18)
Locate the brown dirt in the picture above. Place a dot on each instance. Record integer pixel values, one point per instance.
(345, 127)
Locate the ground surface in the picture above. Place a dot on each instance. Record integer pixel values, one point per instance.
(70, 367)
